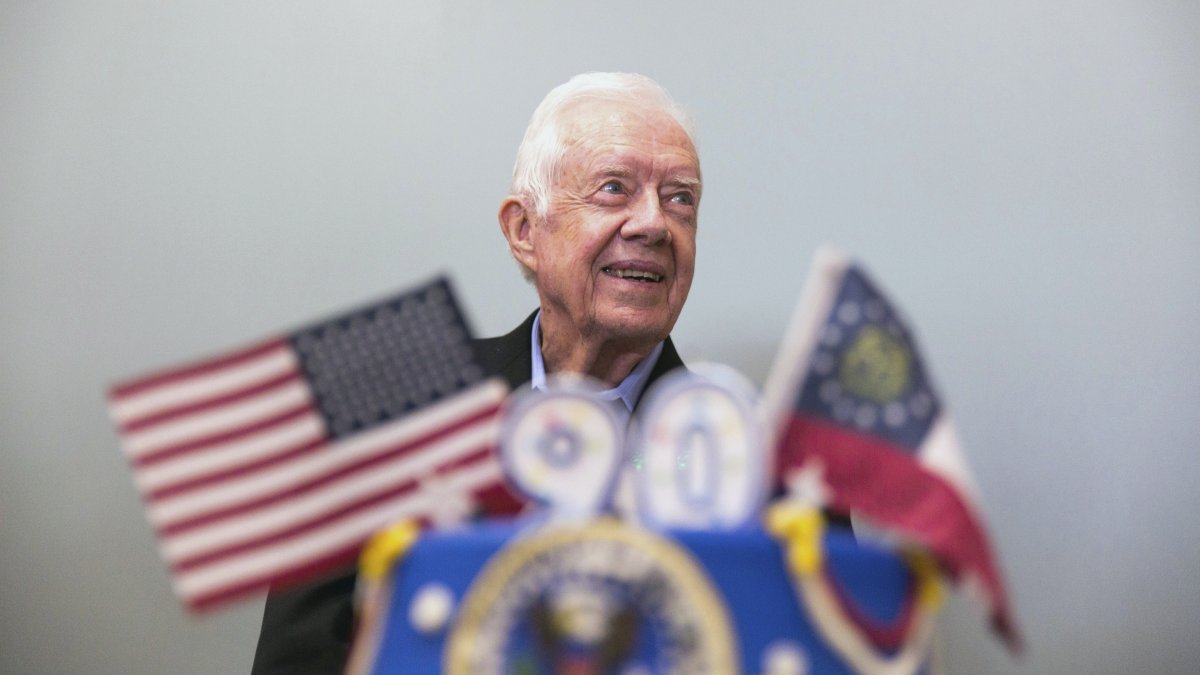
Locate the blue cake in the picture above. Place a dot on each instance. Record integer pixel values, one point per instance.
(536, 596)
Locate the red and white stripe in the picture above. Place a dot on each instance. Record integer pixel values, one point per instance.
(246, 489)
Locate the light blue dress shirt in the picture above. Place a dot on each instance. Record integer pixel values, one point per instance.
(623, 396)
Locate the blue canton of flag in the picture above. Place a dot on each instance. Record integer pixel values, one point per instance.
(865, 372)
(376, 364)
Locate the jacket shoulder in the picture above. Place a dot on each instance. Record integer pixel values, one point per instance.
(508, 355)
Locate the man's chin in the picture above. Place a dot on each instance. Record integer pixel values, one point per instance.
(637, 328)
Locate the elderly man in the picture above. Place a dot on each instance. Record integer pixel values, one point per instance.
(602, 219)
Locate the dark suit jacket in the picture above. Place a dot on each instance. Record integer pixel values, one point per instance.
(307, 629)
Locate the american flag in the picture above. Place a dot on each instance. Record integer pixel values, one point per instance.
(273, 463)
(860, 426)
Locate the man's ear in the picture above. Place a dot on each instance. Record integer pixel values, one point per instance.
(515, 223)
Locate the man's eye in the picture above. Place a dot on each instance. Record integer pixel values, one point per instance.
(613, 187)
(683, 198)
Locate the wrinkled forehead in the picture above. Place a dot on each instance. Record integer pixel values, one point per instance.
(592, 126)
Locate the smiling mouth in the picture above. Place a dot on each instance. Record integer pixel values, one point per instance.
(633, 275)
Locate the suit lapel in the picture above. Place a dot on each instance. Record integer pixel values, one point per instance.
(668, 360)
(508, 355)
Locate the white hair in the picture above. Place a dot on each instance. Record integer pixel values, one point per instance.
(542, 149)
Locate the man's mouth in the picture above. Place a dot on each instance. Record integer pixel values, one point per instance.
(633, 275)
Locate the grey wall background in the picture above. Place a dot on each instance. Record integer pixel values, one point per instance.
(177, 178)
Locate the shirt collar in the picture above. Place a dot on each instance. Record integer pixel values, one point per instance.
(627, 391)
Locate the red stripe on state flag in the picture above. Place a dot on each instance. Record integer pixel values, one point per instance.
(887, 485)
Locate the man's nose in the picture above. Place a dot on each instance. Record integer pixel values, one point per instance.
(648, 221)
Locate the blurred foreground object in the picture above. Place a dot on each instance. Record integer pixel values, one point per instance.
(571, 588)
(609, 596)
(274, 463)
(859, 429)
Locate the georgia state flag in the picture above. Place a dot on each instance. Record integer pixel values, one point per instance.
(860, 427)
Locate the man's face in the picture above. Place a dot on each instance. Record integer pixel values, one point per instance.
(615, 253)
